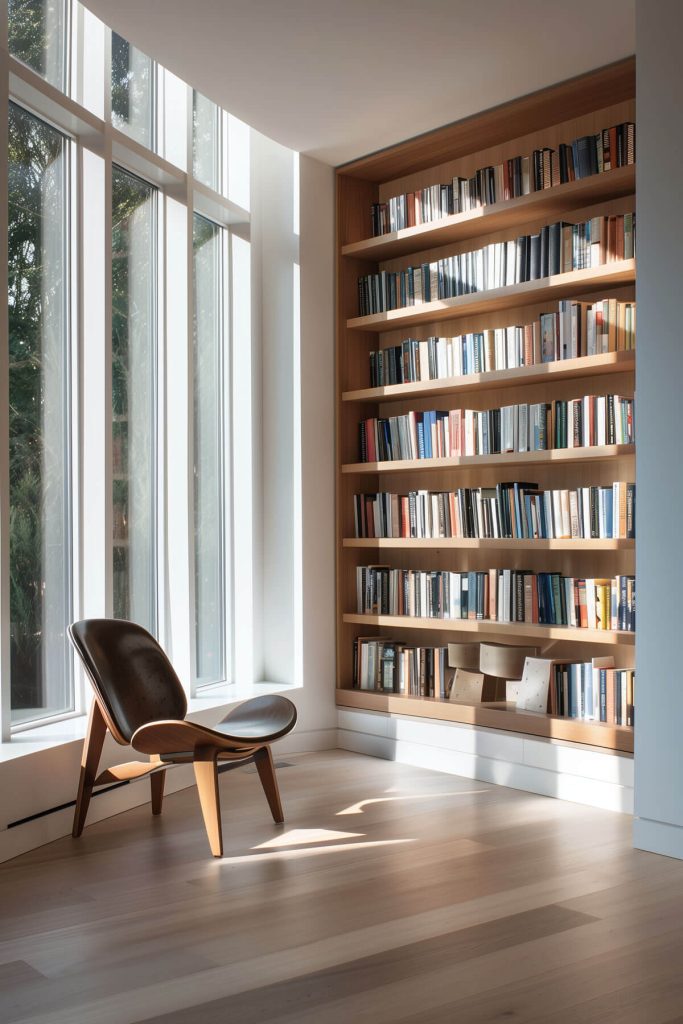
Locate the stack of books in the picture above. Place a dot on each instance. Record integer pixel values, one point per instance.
(509, 510)
(576, 423)
(581, 690)
(575, 329)
(518, 176)
(390, 666)
(555, 249)
(499, 595)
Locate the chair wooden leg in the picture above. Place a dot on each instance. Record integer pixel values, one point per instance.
(92, 748)
(156, 782)
(266, 770)
(206, 774)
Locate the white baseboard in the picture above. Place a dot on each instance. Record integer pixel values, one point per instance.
(56, 825)
(658, 837)
(568, 771)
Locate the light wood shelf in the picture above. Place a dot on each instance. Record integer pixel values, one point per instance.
(549, 203)
(561, 369)
(492, 715)
(503, 629)
(595, 453)
(559, 286)
(489, 544)
(566, 111)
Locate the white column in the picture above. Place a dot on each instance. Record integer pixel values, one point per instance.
(659, 372)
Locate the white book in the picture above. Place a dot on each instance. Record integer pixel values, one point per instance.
(535, 685)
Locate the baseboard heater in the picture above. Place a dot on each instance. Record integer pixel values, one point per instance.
(227, 767)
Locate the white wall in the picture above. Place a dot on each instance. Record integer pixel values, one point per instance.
(659, 374)
(317, 186)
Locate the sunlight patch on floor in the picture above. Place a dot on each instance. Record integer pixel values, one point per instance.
(312, 851)
(362, 804)
(304, 836)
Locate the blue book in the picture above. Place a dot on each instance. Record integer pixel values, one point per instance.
(427, 426)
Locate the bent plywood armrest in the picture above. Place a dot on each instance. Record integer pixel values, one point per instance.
(140, 701)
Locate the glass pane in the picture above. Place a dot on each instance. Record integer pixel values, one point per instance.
(37, 36)
(205, 141)
(134, 398)
(209, 504)
(40, 575)
(132, 91)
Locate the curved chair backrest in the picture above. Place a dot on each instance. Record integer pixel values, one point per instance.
(132, 677)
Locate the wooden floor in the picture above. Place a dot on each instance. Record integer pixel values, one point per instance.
(392, 894)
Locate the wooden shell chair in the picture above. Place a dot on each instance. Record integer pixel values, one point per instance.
(139, 699)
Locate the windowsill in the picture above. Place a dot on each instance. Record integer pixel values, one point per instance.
(71, 730)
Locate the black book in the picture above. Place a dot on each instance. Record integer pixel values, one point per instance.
(545, 252)
(554, 248)
(534, 258)
(521, 268)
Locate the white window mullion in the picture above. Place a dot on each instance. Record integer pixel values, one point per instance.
(246, 519)
(162, 610)
(5, 691)
(89, 62)
(228, 491)
(96, 383)
(180, 583)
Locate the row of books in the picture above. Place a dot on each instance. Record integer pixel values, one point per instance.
(394, 667)
(582, 690)
(576, 423)
(518, 176)
(498, 595)
(555, 249)
(592, 691)
(508, 510)
(576, 329)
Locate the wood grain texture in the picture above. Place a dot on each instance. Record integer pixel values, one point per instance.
(544, 373)
(492, 715)
(574, 98)
(394, 895)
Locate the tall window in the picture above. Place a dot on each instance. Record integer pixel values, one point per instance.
(37, 36)
(40, 560)
(209, 443)
(116, 379)
(206, 141)
(134, 398)
(132, 91)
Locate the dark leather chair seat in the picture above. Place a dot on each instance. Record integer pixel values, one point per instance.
(140, 701)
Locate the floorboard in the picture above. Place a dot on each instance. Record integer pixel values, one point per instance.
(391, 895)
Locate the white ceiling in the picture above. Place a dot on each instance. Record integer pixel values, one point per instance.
(341, 78)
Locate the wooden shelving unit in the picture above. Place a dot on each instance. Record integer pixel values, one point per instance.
(487, 544)
(547, 289)
(554, 455)
(566, 369)
(555, 115)
(492, 715)
(550, 203)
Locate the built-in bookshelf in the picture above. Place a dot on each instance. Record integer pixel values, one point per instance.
(579, 108)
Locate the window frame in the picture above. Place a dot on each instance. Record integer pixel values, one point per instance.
(71, 487)
(156, 320)
(225, 473)
(95, 137)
